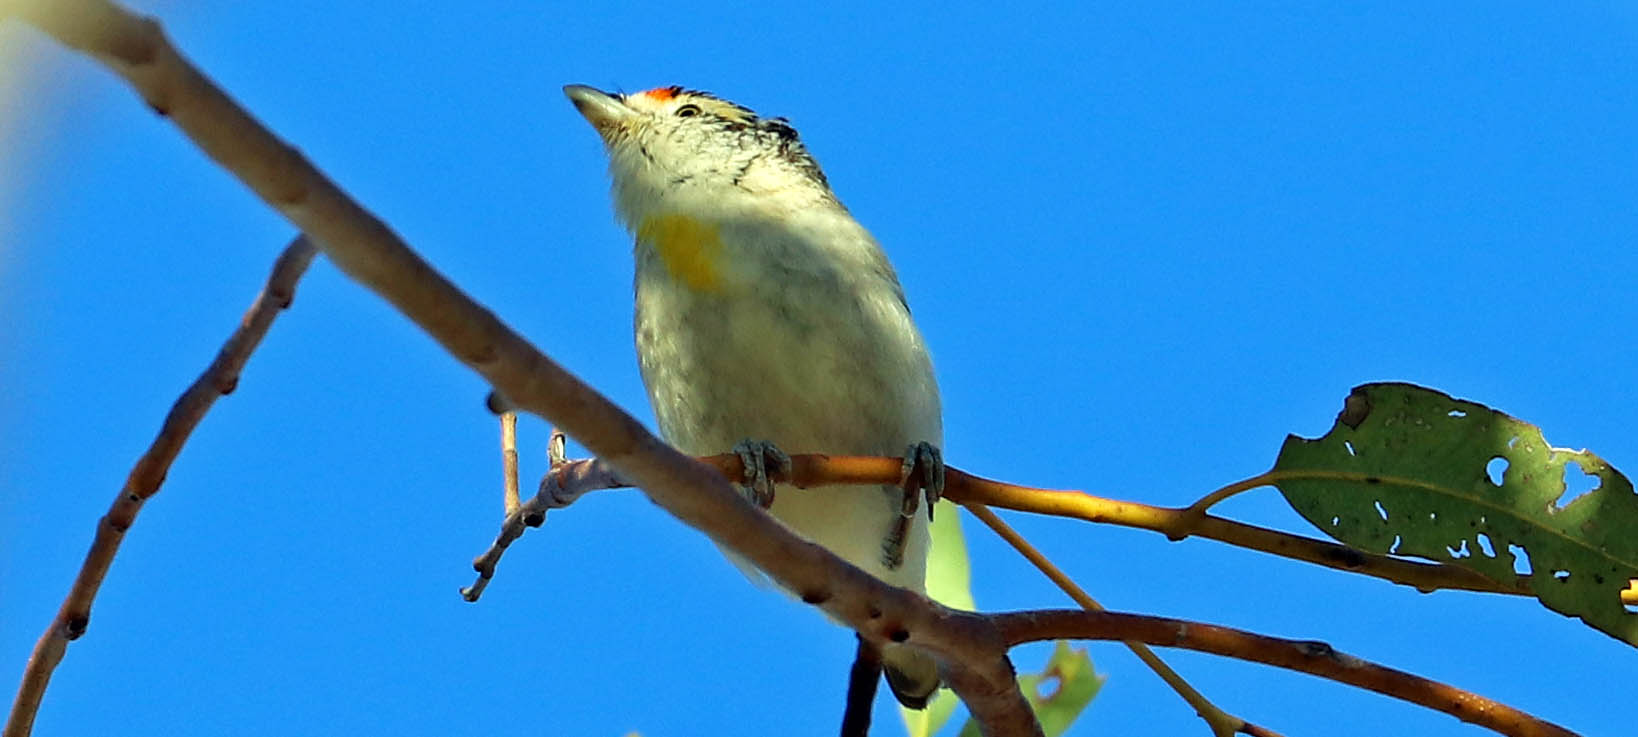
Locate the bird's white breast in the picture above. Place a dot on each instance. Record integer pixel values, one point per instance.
(802, 339)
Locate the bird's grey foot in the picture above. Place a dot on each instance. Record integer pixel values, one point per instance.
(759, 457)
(923, 467)
(921, 477)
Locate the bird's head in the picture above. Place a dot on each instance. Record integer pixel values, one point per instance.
(685, 147)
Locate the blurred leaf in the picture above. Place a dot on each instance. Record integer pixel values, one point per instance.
(949, 582)
(1072, 684)
(930, 720)
(1068, 672)
(1409, 471)
(1076, 685)
(949, 573)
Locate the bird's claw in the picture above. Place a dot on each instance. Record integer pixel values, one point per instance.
(923, 467)
(759, 457)
(921, 477)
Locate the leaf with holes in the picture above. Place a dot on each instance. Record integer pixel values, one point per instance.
(1412, 471)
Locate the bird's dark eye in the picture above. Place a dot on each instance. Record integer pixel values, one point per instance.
(688, 111)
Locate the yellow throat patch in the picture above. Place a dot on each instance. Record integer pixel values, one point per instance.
(689, 249)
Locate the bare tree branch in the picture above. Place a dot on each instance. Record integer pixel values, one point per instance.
(219, 379)
(1306, 656)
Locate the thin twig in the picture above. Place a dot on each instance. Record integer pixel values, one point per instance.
(1221, 722)
(557, 449)
(1180, 523)
(1199, 508)
(581, 476)
(509, 493)
(218, 380)
(509, 461)
(812, 470)
(1306, 656)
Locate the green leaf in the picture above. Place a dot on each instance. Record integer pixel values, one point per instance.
(949, 582)
(1408, 470)
(1077, 684)
(1071, 684)
(949, 573)
(929, 721)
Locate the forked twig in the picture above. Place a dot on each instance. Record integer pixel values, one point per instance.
(573, 479)
(517, 517)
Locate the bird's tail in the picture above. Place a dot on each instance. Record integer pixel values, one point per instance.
(911, 675)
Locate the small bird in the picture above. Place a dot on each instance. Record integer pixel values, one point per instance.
(769, 320)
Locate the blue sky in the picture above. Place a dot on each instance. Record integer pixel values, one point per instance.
(1145, 241)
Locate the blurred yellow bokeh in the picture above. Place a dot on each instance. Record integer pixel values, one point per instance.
(13, 67)
(20, 52)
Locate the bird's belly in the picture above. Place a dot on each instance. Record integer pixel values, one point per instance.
(719, 371)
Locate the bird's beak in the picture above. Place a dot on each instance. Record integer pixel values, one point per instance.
(604, 111)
